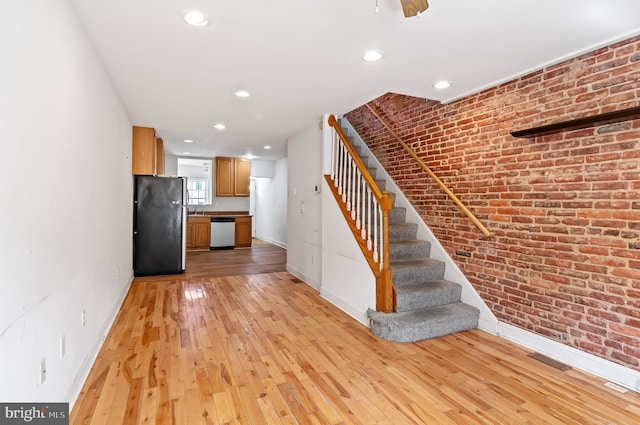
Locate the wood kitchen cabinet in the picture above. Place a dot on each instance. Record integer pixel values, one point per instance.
(241, 178)
(224, 176)
(147, 152)
(232, 176)
(243, 232)
(159, 157)
(198, 232)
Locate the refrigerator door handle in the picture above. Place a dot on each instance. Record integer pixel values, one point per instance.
(185, 192)
(184, 237)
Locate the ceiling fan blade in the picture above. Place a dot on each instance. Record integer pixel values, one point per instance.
(413, 7)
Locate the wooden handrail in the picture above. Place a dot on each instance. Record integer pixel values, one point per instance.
(424, 166)
(385, 292)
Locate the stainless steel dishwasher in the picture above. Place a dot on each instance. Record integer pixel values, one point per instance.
(223, 233)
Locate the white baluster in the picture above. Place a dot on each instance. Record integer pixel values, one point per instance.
(334, 142)
(369, 216)
(356, 192)
(349, 180)
(376, 233)
(362, 187)
(381, 240)
(341, 170)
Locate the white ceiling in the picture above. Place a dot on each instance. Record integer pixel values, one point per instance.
(301, 58)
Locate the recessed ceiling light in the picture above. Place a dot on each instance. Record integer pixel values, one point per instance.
(442, 85)
(188, 141)
(267, 147)
(195, 18)
(372, 55)
(241, 93)
(219, 126)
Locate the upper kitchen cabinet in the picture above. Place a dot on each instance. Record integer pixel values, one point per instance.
(159, 156)
(242, 174)
(232, 176)
(224, 176)
(147, 155)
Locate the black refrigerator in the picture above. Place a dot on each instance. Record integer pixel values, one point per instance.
(159, 225)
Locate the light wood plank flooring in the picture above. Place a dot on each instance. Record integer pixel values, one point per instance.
(266, 349)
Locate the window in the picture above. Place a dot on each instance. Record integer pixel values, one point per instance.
(199, 182)
(197, 192)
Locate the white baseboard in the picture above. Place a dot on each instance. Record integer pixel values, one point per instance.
(573, 357)
(488, 325)
(347, 308)
(90, 358)
(306, 279)
(281, 244)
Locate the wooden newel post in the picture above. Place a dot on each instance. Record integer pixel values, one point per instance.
(385, 292)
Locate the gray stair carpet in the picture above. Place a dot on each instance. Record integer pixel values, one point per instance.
(424, 323)
(427, 305)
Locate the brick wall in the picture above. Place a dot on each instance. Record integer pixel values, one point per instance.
(564, 209)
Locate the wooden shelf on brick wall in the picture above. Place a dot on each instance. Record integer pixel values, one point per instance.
(591, 121)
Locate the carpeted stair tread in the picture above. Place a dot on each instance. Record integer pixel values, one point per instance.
(402, 231)
(416, 325)
(423, 270)
(372, 172)
(381, 183)
(397, 215)
(429, 294)
(409, 250)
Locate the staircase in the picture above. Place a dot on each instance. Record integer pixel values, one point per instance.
(427, 305)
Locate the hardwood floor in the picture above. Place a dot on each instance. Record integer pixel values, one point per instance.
(266, 349)
(260, 258)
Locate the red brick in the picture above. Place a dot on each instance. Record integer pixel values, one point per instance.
(626, 273)
(623, 358)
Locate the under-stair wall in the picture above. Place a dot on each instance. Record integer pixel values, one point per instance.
(346, 279)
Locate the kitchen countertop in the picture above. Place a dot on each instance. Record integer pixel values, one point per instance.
(225, 214)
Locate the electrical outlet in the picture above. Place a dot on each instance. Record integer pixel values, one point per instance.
(118, 271)
(63, 347)
(313, 259)
(43, 370)
(83, 318)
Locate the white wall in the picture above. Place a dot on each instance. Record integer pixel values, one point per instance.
(171, 165)
(262, 168)
(304, 253)
(66, 201)
(271, 206)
